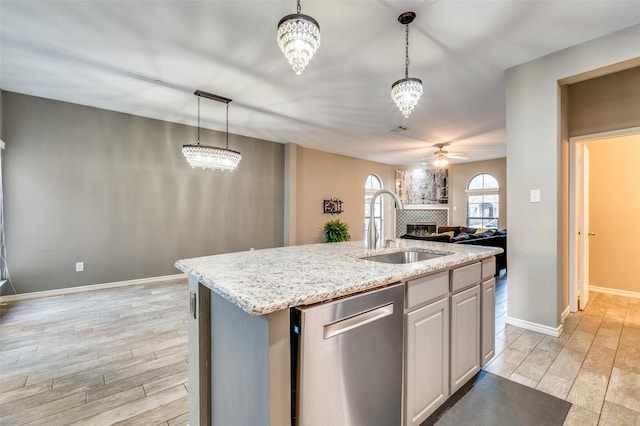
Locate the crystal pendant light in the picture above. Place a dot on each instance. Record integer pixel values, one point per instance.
(299, 38)
(406, 92)
(209, 157)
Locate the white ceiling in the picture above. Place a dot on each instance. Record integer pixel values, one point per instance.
(147, 58)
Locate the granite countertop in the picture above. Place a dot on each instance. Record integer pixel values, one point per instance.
(268, 280)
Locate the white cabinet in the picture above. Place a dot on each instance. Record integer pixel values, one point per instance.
(426, 384)
(449, 334)
(488, 347)
(465, 336)
(427, 360)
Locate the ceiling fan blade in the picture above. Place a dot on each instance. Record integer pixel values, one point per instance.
(458, 156)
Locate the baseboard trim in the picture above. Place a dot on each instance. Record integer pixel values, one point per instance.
(555, 332)
(615, 292)
(565, 314)
(81, 289)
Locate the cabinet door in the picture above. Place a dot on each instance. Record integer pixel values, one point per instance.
(465, 336)
(488, 320)
(427, 361)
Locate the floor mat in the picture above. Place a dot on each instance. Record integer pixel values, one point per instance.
(492, 400)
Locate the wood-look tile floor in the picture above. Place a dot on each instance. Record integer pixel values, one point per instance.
(116, 356)
(594, 364)
(119, 356)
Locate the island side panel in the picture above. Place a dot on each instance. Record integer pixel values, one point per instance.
(280, 368)
(239, 366)
(199, 354)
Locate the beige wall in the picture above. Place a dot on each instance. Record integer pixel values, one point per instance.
(320, 176)
(614, 208)
(459, 177)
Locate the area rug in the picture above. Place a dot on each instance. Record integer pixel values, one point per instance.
(492, 400)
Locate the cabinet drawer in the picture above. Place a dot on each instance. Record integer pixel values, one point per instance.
(488, 267)
(427, 288)
(465, 276)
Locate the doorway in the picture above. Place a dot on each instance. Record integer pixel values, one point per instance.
(580, 229)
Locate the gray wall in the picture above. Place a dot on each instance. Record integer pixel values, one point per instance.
(113, 190)
(610, 102)
(536, 153)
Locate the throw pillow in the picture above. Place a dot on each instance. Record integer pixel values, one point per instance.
(448, 233)
(461, 237)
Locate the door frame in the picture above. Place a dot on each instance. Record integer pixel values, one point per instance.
(574, 289)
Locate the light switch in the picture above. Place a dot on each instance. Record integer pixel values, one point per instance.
(535, 195)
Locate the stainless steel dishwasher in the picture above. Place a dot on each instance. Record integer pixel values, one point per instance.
(347, 360)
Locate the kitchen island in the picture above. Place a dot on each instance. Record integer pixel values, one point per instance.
(239, 342)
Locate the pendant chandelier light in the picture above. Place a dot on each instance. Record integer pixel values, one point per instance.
(209, 157)
(406, 92)
(299, 38)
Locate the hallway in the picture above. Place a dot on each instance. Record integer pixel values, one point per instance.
(594, 364)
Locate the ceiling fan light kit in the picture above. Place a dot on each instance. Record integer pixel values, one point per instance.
(210, 157)
(299, 38)
(407, 91)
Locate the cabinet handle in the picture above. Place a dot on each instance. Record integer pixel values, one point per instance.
(193, 304)
(591, 234)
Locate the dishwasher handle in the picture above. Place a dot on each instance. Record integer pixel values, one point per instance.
(358, 320)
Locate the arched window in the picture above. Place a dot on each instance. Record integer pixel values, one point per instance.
(373, 184)
(483, 202)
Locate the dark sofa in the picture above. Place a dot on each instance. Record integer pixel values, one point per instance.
(464, 235)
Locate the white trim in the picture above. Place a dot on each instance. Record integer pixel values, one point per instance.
(426, 206)
(565, 313)
(555, 332)
(2, 144)
(625, 293)
(605, 135)
(93, 287)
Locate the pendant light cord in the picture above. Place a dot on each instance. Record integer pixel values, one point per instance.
(227, 125)
(299, 8)
(406, 52)
(198, 119)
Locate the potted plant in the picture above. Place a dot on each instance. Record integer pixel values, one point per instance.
(335, 231)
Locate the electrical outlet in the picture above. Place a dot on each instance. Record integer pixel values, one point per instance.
(79, 266)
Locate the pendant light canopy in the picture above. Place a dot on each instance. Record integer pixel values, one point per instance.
(299, 38)
(209, 157)
(406, 92)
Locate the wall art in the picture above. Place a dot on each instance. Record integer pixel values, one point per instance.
(422, 186)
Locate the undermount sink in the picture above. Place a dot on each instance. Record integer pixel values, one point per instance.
(405, 256)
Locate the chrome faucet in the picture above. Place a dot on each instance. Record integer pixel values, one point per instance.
(371, 235)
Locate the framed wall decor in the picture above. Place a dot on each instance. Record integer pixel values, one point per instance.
(332, 206)
(422, 186)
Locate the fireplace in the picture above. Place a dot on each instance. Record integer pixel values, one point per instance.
(422, 228)
(428, 219)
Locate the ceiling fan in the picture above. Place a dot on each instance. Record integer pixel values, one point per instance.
(441, 156)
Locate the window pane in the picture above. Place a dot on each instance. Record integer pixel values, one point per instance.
(483, 202)
(474, 223)
(490, 182)
(483, 181)
(473, 210)
(475, 183)
(490, 224)
(373, 184)
(490, 198)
